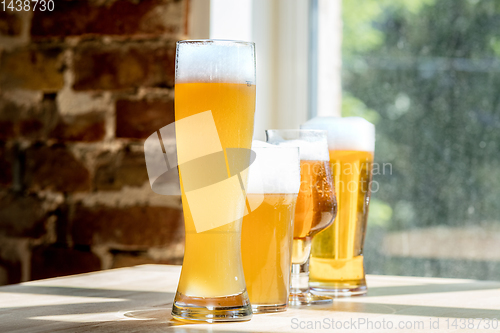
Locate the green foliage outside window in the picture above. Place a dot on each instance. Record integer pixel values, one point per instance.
(427, 74)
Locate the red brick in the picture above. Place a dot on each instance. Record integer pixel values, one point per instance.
(136, 227)
(36, 122)
(10, 114)
(10, 24)
(62, 224)
(31, 123)
(22, 215)
(55, 168)
(117, 169)
(10, 272)
(31, 127)
(43, 121)
(138, 119)
(32, 68)
(89, 127)
(52, 261)
(128, 260)
(124, 67)
(121, 17)
(6, 165)
(7, 130)
(131, 258)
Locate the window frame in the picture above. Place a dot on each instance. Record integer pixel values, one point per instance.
(294, 38)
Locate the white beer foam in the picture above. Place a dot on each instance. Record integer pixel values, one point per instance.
(275, 169)
(215, 61)
(349, 133)
(309, 151)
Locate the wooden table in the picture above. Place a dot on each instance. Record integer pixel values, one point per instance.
(138, 299)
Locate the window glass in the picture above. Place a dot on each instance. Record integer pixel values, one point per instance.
(427, 74)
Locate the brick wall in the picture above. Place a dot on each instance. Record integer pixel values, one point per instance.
(81, 87)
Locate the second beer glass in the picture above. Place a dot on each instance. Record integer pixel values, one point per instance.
(266, 237)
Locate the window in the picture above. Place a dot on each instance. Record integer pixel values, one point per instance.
(426, 72)
(280, 29)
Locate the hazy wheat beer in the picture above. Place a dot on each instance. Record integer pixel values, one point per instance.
(266, 238)
(216, 76)
(336, 265)
(315, 206)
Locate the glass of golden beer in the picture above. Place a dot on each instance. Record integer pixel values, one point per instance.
(316, 204)
(266, 238)
(336, 266)
(214, 116)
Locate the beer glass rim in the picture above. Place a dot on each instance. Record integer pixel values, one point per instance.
(319, 133)
(215, 41)
(308, 137)
(276, 147)
(312, 131)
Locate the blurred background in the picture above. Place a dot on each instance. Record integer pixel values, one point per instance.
(427, 73)
(82, 86)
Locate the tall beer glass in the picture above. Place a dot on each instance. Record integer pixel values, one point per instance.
(214, 114)
(266, 238)
(337, 252)
(316, 205)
